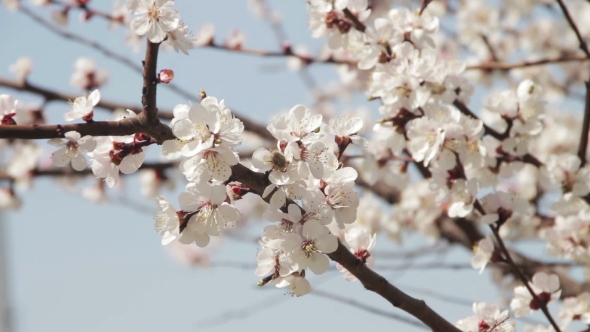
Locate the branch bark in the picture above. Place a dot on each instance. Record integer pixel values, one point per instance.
(583, 148)
(150, 83)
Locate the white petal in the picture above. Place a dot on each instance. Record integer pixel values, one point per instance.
(229, 213)
(79, 163)
(131, 164)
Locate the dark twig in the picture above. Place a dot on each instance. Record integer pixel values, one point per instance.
(99, 128)
(287, 52)
(376, 283)
(494, 65)
(574, 27)
(522, 277)
(360, 26)
(80, 39)
(528, 158)
(583, 148)
(364, 307)
(70, 172)
(248, 124)
(51, 95)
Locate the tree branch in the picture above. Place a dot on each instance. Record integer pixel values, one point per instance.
(51, 95)
(494, 65)
(249, 125)
(287, 52)
(521, 276)
(150, 83)
(360, 26)
(64, 171)
(583, 148)
(528, 158)
(574, 27)
(362, 306)
(376, 283)
(99, 128)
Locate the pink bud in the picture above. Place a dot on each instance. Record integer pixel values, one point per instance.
(8, 120)
(165, 76)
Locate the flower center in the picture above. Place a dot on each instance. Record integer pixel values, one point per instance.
(308, 248)
(202, 131)
(154, 12)
(71, 149)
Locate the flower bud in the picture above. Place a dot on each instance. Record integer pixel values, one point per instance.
(165, 76)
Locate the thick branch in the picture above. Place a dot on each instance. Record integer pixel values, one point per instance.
(64, 171)
(99, 128)
(150, 82)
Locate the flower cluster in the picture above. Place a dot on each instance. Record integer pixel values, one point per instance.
(207, 133)
(309, 189)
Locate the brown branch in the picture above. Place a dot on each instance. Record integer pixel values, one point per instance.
(360, 26)
(583, 148)
(100, 128)
(369, 278)
(494, 65)
(88, 12)
(80, 39)
(574, 27)
(376, 283)
(66, 171)
(249, 125)
(528, 158)
(51, 95)
(517, 271)
(287, 52)
(150, 83)
(364, 307)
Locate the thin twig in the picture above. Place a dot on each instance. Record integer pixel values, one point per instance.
(494, 65)
(583, 148)
(376, 283)
(364, 307)
(52, 95)
(574, 27)
(249, 125)
(528, 158)
(287, 52)
(88, 12)
(360, 26)
(517, 272)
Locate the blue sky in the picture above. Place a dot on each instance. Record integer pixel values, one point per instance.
(77, 266)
